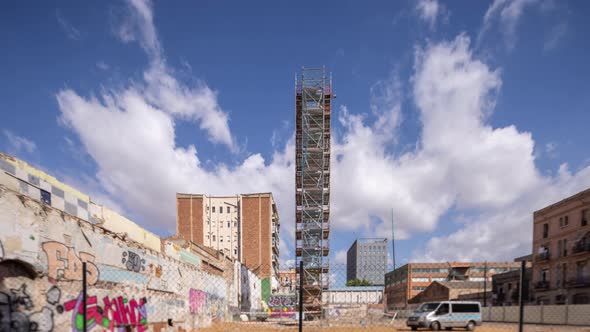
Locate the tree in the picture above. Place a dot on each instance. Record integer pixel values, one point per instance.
(357, 283)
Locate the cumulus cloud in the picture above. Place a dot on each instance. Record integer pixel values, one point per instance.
(460, 161)
(430, 10)
(506, 13)
(19, 143)
(67, 27)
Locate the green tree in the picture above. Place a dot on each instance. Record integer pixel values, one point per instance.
(357, 283)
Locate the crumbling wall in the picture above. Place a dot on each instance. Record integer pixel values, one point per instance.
(129, 284)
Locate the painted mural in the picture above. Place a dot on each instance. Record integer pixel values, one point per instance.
(129, 286)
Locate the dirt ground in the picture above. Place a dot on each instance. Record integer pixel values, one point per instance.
(486, 327)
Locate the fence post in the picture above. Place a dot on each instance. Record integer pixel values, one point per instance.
(520, 296)
(301, 296)
(84, 320)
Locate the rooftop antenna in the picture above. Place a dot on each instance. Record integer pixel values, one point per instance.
(392, 241)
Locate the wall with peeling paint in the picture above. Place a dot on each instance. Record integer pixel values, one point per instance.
(130, 283)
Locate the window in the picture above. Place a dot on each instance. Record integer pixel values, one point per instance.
(235, 251)
(213, 237)
(544, 275)
(228, 224)
(509, 286)
(221, 209)
(464, 307)
(45, 197)
(562, 248)
(235, 223)
(418, 288)
(228, 238)
(213, 223)
(443, 309)
(213, 209)
(585, 217)
(566, 221)
(545, 231)
(207, 237)
(228, 209)
(221, 238)
(420, 280)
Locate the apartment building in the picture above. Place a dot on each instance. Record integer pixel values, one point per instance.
(407, 281)
(561, 243)
(366, 259)
(245, 227)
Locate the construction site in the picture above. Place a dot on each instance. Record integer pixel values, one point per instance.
(313, 96)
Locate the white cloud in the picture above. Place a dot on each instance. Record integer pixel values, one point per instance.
(555, 36)
(67, 27)
(507, 13)
(340, 257)
(460, 162)
(551, 149)
(430, 10)
(19, 143)
(102, 65)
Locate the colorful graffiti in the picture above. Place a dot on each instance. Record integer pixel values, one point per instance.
(115, 315)
(206, 303)
(279, 301)
(64, 264)
(15, 304)
(133, 261)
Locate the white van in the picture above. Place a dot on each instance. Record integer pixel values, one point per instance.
(446, 314)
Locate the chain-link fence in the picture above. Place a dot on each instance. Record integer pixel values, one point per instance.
(140, 297)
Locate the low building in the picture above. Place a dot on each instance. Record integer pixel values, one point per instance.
(506, 288)
(353, 295)
(561, 244)
(409, 280)
(453, 290)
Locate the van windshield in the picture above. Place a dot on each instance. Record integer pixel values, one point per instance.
(428, 307)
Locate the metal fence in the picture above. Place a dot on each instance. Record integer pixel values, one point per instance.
(206, 301)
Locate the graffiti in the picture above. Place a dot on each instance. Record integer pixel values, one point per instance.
(275, 301)
(133, 261)
(156, 269)
(115, 315)
(63, 263)
(205, 303)
(14, 304)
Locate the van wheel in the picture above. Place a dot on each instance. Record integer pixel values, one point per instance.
(435, 326)
(448, 328)
(470, 326)
(414, 328)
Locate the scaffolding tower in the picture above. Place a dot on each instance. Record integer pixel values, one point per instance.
(313, 95)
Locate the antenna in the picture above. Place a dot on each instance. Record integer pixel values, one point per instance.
(392, 241)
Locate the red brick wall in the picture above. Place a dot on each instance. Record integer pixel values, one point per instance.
(183, 217)
(256, 234)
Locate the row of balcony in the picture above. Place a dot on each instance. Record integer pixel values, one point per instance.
(579, 281)
(580, 247)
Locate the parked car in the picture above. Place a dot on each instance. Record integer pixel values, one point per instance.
(446, 314)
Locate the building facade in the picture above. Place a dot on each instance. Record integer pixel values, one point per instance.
(366, 259)
(454, 290)
(506, 287)
(407, 281)
(561, 247)
(245, 227)
(287, 281)
(353, 295)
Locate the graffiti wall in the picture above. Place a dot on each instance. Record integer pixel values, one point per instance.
(129, 286)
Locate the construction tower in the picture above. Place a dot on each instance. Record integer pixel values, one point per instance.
(313, 96)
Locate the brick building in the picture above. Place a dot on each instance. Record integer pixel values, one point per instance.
(453, 290)
(245, 227)
(407, 281)
(561, 247)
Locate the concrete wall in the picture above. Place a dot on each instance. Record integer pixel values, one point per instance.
(129, 283)
(352, 296)
(537, 314)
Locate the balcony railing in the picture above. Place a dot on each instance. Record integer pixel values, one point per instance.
(544, 284)
(543, 256)
(579, 281)
(581, 247)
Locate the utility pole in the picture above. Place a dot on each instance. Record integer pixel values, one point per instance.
(392, 241)
(485, 282)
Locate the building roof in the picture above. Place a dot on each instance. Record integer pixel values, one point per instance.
(579, 195)
(356, 289)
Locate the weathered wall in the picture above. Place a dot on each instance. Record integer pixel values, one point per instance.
(129, 283)
(540, 314)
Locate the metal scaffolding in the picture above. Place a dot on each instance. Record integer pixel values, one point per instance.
(313, 95)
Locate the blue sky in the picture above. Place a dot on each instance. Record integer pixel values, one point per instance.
(464, 117)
